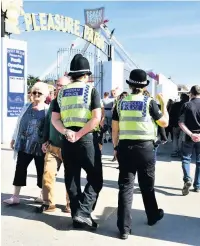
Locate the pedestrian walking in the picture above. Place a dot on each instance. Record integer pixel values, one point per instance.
(52, 142)
(169, 129)
(189, 122)
(161, 134)
(108, 105)
(27, 140)
(76, 115)
(134, 132)
(177, 132)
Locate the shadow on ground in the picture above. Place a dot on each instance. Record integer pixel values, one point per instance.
(114, 184)
(27, 210)
(173, 228)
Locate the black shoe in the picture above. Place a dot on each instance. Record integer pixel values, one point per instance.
(114, 159)
(157, 218)
(124, 235)
(105, 141)
(45, 208)
(196, 190)
(78, 225)
(110, 140)
(85, 222)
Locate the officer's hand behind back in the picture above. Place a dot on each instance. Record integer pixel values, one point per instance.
(72, 136)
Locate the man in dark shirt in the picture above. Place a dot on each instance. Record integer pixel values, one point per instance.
(173, 122)
(189, 122)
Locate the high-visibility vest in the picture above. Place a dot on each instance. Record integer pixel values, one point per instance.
(75, 104)
(135, 122)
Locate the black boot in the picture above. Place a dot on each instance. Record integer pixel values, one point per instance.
(159, 216)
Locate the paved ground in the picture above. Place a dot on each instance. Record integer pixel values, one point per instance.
(180, 226)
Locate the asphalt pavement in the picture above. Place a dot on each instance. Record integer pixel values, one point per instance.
(21, 226)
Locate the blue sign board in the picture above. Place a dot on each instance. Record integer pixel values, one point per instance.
(15, 81)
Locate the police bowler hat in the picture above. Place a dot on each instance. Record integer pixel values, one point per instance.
(79, 66)
(138, 78)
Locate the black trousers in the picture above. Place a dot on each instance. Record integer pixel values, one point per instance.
(23, 161)
(84, 154)
(169, 130)
(100, 136)
(137, 157)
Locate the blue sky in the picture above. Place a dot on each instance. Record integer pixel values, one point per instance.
(164, 36)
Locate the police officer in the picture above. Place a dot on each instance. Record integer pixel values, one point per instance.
(134, 132)
(76, 115)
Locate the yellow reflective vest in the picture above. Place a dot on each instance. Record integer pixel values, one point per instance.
(135, 122)
(75, 102)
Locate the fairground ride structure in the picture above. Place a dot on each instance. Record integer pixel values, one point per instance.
(85, 46)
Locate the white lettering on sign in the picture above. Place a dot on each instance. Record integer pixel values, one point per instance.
(73, 92)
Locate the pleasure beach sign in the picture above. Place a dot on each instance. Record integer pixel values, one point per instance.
(47, 22)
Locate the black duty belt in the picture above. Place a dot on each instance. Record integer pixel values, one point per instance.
(195, 131)
(108, 108)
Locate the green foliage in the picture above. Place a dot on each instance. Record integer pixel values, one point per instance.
(31, 80)
(49, 81)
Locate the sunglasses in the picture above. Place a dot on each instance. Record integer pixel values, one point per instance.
(37, 93)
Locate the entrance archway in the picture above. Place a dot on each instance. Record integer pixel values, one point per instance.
(48, 22)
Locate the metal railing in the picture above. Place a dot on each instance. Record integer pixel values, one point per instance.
(64, 57)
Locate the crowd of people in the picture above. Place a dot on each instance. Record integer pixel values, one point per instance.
(70, 125)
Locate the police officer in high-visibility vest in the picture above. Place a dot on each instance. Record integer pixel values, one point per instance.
(133, 133)
(76, 115)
